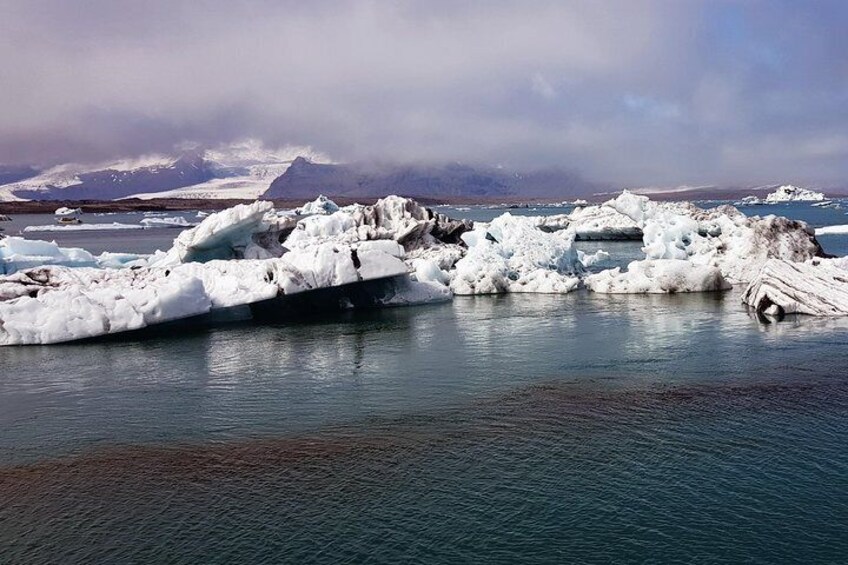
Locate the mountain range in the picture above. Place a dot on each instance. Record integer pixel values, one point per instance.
(248, 170)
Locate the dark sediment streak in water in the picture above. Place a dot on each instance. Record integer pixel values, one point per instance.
(554, 407)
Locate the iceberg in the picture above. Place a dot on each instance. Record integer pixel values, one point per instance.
(83, 227)
(222, 235)
(64, 211)
(658, 276)
(832, 230)
(393, 252)
(790, 193)
(166, 222)
(723, 237)
(57, 304)
(511, 254)
(17, 253)
(321, 205)
(594, 223)
(815, 288)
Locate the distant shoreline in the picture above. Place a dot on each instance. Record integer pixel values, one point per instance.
(183, 204)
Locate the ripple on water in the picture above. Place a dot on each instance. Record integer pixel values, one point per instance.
(549, 472)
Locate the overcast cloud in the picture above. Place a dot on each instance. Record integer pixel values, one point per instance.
(637, 92)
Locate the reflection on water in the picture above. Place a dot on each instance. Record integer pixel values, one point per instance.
(248, 381)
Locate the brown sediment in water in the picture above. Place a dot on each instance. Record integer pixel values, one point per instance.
(559, 408)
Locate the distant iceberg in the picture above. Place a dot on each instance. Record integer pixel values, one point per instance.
(790, 193)
(321, 205)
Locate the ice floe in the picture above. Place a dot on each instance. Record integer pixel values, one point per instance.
(722, 237)
(83, 227)
(511, 254)
(790, 193)
(832, 230)
(64, 211)
(56, 304)
(816, 288)
(17, 253)
(166, 222)
(321, 205)
(658, 276)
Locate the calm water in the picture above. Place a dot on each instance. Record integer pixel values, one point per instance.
(576, 428)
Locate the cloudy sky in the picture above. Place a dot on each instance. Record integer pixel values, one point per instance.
(638, 92)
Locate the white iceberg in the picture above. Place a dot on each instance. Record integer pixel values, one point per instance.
(658, 276)
(594, 223)
(56, 304)
(166, 222)
(790, 193)
(832, 230)
(512, 255)
(83, 227)
(815, 288)
(723, 237)
(65, 212)
(17, 253)
(321, 205)
(222, 235)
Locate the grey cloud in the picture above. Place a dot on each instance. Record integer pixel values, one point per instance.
(638, 92)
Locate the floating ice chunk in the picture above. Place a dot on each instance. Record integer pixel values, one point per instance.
(789, 193)
(166, 222)
(427, 270)
(83, 227)
(54, 304)
(63, 211)
(222, 235)
(512, 255)
(320, 228)
(832, 230)
(588, 260)
(402, 291)
(594, 223)
(658, 276)
(722, 237)
(816, 288)
(17, 253)
(321, 205)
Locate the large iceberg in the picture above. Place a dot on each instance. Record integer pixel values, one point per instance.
(722, 237)
(511, 254)
(56, 304)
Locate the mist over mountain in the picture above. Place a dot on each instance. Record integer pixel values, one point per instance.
(305, 179)
(14, 173)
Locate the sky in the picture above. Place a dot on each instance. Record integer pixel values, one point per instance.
(637, 92)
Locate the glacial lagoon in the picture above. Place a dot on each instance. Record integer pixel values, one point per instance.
(519, 428)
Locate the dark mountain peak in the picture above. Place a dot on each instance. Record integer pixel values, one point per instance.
(15, 173)
(305, 179)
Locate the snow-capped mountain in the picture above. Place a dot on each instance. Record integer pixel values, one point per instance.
(241, 170)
